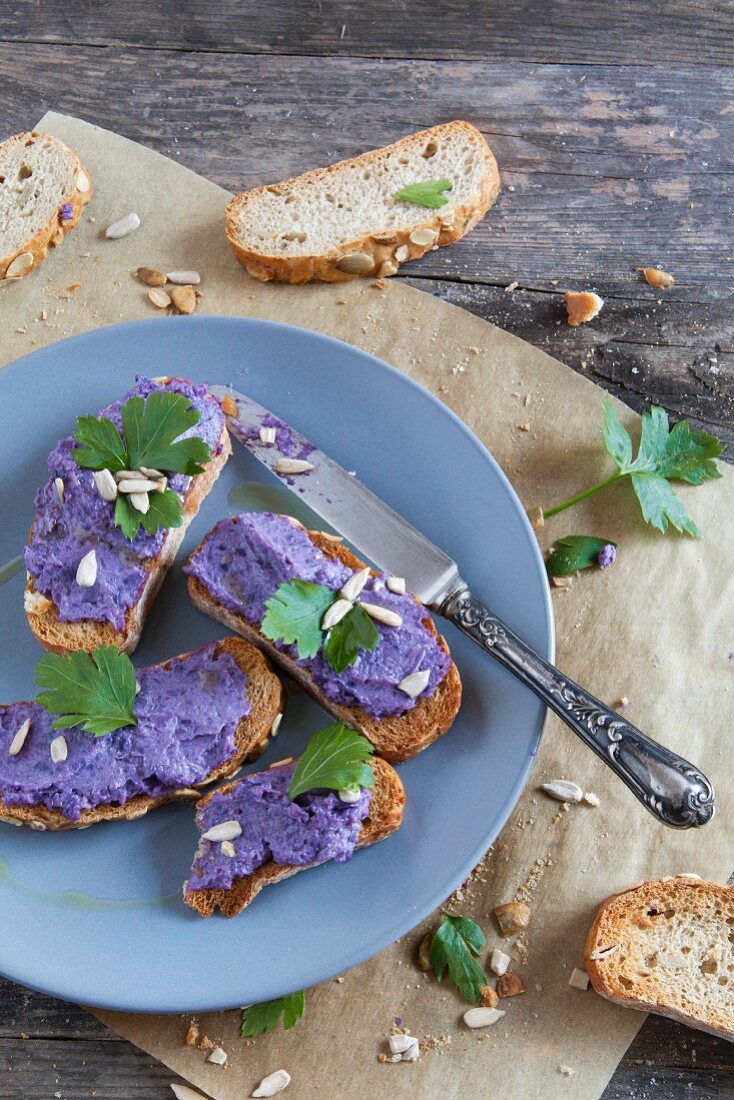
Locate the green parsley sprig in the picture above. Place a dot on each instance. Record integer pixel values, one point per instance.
(95, 691)
(294, 613)
(151, 430)
(259, 1018)
(664, 455)
(336, 758)
(428, 194)
(453, 947)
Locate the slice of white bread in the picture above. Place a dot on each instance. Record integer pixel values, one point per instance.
(38, 175)
(385, 816)
(266, 697)
(341, 222)
(668, 947)
(395, 737)
(63, 637)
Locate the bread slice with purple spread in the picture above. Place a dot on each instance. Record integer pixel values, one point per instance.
(75, 519)
(402, 695)
(199, 718)
(375, 817)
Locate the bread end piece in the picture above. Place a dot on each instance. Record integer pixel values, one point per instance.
(668, 947)
(385, 816)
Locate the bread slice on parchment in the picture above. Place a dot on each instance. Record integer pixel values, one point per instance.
(395, 737)
(340, 222)
(62, 637)
(384, 817)
(266, 697)
(43, 187)
(668, 947)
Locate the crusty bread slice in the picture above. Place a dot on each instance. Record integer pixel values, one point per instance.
(341, 222)
(266, 697)
(385, 816)
(671, 951)
(395, 738)
(38, 175)
(64, 637)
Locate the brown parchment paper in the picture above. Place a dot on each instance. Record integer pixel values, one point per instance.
(657, 628)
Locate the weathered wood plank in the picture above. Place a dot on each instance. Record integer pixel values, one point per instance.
(600, 186)
(493, 30)
(31, 1014)
(37, 1070)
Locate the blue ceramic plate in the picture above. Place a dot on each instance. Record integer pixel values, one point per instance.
(97, 915)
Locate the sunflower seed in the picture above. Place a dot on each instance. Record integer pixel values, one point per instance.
(423, 237)
(563, 790)
(355, 584)
(19, 266)
(402, 253)
(482, 1017)
(292, 466)
(396, 584)
(161, 485)
(59, 485)
(274, 1082)
(122, 227)
(151, 473)
(106, 484)
(159, 298)
(184, 299)
(19, 740)
(138, 688)
(183, 277)
(382, 614)
(267, 436)
(86, 573)
(218, 1056)
(82, 181)
(579, 979)
(139, 501)
(414, 684)
(183, 1092)
(276, 724)
(227, 849)
(399, 1044)
(348, 796)
(225, 830)
(151, 276)
(499, 962)
(136, 485)
(335, 613)
(59, 749)
(356, 263)
(127, 475)
(604, 952)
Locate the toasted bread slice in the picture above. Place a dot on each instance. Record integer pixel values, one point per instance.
(340, 222)
(62, 637)
(266, 698)
(668, 947)
(395, 738)
(43, 188)
(385, 816)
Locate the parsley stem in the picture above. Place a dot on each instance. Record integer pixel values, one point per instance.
(583, 495)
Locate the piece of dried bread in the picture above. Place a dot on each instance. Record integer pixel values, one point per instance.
(266, 697)
(395, 737)
(385, 816)
(668, 947)
(343, 221)
(43, 187)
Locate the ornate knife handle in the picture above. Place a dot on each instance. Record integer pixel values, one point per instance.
(673, 790)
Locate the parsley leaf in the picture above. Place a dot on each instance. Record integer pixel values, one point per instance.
(453, 947)
(165, 510)
(102, 446)
(575, 552)
(96, 691)
(293, 615)
(335, 758)
(256, 1019)
(152, 425)
(354, 632)
(425, 194)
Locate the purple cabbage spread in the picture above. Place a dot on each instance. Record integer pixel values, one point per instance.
(63, 534)
(315, 828)
(187, 716)
(242, 562)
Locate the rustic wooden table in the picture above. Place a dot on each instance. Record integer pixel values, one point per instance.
(612, 124)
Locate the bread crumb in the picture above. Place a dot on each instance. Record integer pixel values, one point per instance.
(511, 286)
(582, 306)
(192, 1035)
(524, 427)
(73, 288)
(566, 1071)
(526, 400)
(621, 702)
(536, 517)
(656, 277)
(206, 1043)
(561, 582)
(592, 799)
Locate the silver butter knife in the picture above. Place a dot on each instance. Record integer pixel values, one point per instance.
(673, 790)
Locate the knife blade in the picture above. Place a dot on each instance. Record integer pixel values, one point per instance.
(378, 532)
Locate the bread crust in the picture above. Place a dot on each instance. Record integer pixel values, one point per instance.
(614, 920)
(385, 816)
(381, 246)
(266, 696)
(53, 233)
(63, 638)
(396, 738)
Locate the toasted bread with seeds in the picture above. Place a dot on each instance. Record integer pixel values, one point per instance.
(668, 947)
(342, 222)
(43, 189)
(397, 737)
(266, 698)
(385, 815)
